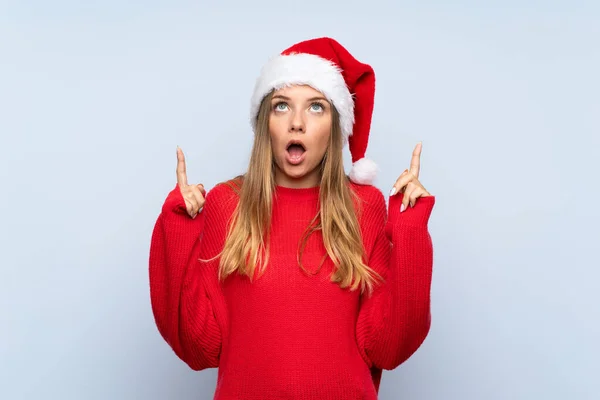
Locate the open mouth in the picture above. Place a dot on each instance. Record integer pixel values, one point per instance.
(295, 151)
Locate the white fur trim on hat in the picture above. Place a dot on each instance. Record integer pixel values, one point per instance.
(305, 69)
(363, 171)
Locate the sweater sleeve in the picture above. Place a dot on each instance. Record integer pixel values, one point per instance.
(185, 293)
(394, 320)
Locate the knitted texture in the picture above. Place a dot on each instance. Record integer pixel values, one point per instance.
(292, 334)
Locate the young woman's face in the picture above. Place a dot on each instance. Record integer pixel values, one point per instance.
(300, 126)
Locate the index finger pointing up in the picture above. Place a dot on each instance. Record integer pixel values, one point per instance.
(181, 173)
(415, 162)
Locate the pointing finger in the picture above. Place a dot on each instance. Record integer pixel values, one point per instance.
(198, 196)
(407, 197)
(402, 181)
(415, 162)
(181, 172)
(201, 187)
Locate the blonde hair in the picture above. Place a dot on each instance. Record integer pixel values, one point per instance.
(247, 242)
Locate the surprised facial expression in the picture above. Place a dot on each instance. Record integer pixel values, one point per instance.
(300, 127)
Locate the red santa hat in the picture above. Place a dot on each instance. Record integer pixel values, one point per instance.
(347, 83)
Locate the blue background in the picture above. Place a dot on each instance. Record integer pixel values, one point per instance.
(95, 97)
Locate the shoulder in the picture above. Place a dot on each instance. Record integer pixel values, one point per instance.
(371, 205)
(225, 191)
(223, 198)
(370, 196)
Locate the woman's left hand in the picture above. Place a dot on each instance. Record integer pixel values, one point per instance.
(409, 183)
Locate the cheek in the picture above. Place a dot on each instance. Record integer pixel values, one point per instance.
(324, 142)
(276, 132)
(323, 137)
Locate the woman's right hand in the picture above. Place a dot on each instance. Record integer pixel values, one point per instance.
(192, 194)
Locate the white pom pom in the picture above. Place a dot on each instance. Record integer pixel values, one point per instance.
(363, 171)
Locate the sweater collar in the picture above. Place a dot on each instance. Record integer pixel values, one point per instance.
(310, 193)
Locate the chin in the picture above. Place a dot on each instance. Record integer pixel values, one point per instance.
(296, 172)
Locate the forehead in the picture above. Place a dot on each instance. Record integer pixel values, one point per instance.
(299, 91)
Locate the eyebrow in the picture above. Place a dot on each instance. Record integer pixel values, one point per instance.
(279, 96)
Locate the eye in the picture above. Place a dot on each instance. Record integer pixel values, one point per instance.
(317, 107)
(281, 106)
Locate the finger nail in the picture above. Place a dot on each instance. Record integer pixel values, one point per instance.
(393, 191)
(402, 208)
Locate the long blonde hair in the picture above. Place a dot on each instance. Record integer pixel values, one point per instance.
(247, 243)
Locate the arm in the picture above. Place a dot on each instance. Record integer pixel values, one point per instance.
(183, 311)
(394, 321)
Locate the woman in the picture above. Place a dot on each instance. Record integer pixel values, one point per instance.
(293, 279)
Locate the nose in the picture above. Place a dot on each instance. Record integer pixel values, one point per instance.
(297, 123)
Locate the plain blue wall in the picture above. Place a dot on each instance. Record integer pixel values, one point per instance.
(94, 99)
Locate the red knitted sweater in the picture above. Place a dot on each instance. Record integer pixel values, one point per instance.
(291, 334)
